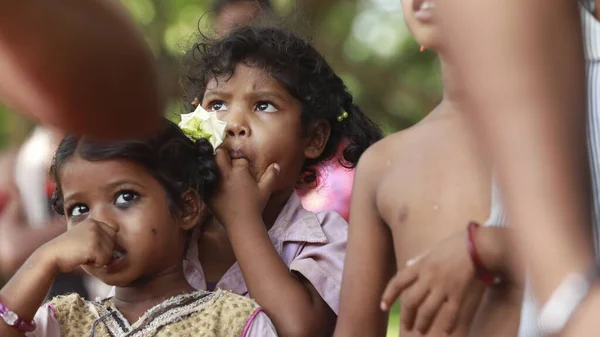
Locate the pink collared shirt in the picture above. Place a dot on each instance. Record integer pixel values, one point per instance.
(312, 244)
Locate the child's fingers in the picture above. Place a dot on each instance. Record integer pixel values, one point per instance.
(101, 254)
(111, 231)
(396, 286)
(428, 310)
(222, 159)
(410, 303)
(448, 316)
(268, 179)
(452, 308)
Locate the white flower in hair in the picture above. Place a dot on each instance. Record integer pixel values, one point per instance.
(203, 124)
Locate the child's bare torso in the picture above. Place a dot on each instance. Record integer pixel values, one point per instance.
(435, 183)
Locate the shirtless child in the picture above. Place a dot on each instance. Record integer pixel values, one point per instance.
(417, 190)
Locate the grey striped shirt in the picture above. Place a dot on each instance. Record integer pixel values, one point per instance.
(591, 30)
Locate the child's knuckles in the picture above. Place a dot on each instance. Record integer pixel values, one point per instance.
(93, 227)
(409, 301)
(426, 315)
(452, 307)
(428, 277)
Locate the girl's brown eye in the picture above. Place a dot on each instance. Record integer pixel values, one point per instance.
(78, 210)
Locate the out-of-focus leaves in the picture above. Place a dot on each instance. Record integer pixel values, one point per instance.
(365, 41)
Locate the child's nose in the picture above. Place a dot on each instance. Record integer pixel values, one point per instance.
(237, 130)
(237, 122)
(105, 216)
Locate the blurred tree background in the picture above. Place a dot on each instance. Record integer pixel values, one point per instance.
(365, 41)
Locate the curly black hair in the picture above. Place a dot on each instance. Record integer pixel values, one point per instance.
(178, 163)
(297, 65)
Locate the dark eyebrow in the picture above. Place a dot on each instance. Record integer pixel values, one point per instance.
(268, 93)
(123, 182)
(216, 92)
(109, 186)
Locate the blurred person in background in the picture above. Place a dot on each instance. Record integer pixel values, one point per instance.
(94, 75)
(522, 79)
(232, 13)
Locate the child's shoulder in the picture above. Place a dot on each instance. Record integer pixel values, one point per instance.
(72, 312)
(401, 146)
(377, 158)
(235, 302)
(67, 301)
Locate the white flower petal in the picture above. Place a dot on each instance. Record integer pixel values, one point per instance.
(210, 124)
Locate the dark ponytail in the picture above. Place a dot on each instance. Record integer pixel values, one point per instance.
(208, 172)
(360, 132)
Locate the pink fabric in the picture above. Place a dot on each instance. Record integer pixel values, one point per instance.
(250, 321)
(313, 245)
(46, 322)
(333, 192)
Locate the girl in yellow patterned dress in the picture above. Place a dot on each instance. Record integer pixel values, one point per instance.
(129, 206)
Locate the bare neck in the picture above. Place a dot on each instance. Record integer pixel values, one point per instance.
(135, 299)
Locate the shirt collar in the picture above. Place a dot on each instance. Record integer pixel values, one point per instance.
(296, 224)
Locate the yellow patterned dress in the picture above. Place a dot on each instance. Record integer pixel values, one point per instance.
(210, 314)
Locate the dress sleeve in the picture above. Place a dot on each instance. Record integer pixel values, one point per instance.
(259, 325)
(323, 264)
(46, 323)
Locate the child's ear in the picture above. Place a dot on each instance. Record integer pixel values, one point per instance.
(318, 135)
(195, 211)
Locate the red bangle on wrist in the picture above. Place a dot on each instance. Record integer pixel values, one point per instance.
(486, 276)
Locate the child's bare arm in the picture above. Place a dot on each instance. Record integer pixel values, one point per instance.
(537, 137)
(78, 65)
(434, 286)
(370, 258)
(91, 242)
(26, 290)
(292, 303)
(18, 240)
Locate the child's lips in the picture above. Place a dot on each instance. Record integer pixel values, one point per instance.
(423, 9)
(117, 256)
(238, 154)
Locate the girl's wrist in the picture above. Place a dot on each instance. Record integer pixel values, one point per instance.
(490, 249)
(239, 219)
(247, 227)
(44, 259)
(483, 254)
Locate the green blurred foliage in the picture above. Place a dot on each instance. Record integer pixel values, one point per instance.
(366, 42)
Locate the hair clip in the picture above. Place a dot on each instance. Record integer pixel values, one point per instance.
(343, 116)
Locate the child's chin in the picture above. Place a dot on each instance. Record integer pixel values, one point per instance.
(115, 280)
